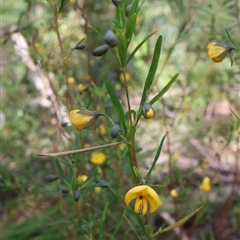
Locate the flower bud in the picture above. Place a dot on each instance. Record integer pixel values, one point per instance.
(128, 10)
(110, 39)
(64, 191)
(80, 46)
(148, 111)
(115, 131)
(116, 2)
(76, 195)
(51, 177)
(101, 50)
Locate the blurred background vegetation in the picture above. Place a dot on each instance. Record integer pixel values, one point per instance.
(197, 112)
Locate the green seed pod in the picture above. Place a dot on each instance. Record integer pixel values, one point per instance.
(76, 195)
(110, 39)
(115, 130)
(80, 46)
(64, 191)
(51, 178)
(128, 10)
(148, 111)
(117, 3)
(101, 50)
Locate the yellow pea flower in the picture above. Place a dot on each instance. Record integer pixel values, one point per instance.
(98, 158)
(218, 52)
(70, 80)
(174, 193)
(84, 118)
(82, 178)
(144, 196)
(148, 111)
(206, 184)
(82, 87)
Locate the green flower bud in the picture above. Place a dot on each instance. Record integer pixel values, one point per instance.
(64, 191)
(101, 50)
(148, 111)
(128, 10)
(115, 130)
(117, 3)
(76, 195)
(51, 178)
(111, 39)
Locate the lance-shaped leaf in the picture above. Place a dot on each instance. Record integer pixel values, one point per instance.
(103, 222)
(60, 154)
(152, 70)
(115, 102)
(155, 159)
(177, 224)
(122, 47)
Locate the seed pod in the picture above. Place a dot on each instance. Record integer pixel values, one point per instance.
(148, 111)
(128, 10)
(117, 3)
(76, 195)
(101, 50)
(64, 191)
(115, 130)
(80, 46)
(51, 178)
(110, 39)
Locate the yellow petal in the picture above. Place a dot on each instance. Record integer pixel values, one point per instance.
(153, 200)
(141, 206)
(98, 158)
(206, 184)
(217, 53)
(133, 193)
(79, 120)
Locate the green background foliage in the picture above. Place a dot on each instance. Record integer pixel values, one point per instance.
(195, 102)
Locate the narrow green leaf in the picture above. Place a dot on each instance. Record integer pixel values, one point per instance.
(137, 173)
(130, 27)
(122, 47)
(152, 70)
(131, 132)
(155, 159)
(177, 224)
(103, 222)
(62, 3)
(59, 167)
(230, 38)
(60, 154)
(115, 102)
(165, 89)
(138, 46)
(117, 227)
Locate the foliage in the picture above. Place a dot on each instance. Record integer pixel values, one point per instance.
(150, 56)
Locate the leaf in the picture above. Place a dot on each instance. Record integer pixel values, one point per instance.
(155, 158)
(229, 36)
(148, 230)
(165, 89)
(130, 27)
(137, 173)
(60, 154)
(115, 102)
(177, 224)
(62, 3)
(138, 46)
(152, 70)
(103, 222)
(131, 132)
(117, 227)
(122, 47)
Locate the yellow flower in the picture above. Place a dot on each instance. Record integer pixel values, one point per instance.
(98, 158)
(218, 52)
(205, 163)
(127, 76)
(84, 118)
(144, 196)
(175, 157)
(82, 87)
(148, 111)
(70, 80)
(98, 189)
(82, 178)
(174, 193)
(206, 184)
